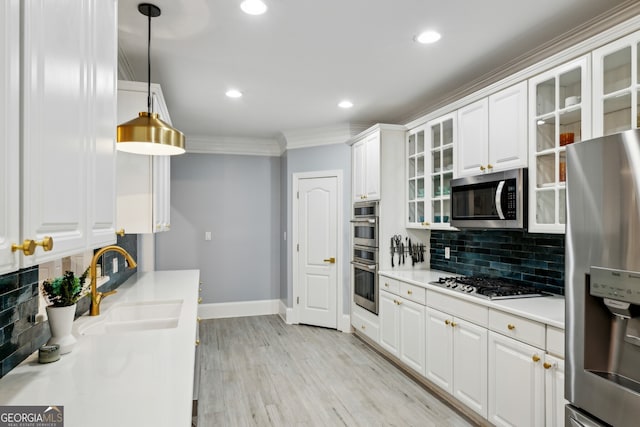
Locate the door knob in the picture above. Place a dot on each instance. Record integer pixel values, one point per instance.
(46, 243)
(28, 247)
(331, 260)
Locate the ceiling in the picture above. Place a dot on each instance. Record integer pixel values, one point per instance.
(297, 61)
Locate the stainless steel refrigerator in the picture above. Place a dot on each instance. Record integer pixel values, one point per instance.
(603, 281)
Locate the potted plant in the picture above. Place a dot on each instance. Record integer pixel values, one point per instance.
(62, 294)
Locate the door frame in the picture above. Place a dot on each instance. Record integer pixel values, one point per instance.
(296, 177)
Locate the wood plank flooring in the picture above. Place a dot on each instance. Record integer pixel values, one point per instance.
(259, 371)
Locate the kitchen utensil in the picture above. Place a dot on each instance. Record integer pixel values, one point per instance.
(402, 251)
(413, 260)
(392, 250)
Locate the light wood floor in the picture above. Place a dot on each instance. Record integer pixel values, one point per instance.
(259, 371)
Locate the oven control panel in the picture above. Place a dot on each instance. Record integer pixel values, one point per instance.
(620, 285)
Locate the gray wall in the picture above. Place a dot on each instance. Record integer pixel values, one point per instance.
(237, 198)
(322, 158)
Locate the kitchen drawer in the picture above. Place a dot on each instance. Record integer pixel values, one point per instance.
(517, 327)
(474, 313)
(389, 285)
(412, 292)
(555, 341)
(365, 326)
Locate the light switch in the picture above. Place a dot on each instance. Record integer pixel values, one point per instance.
(447, 252)
(207, 235)
(115, 265)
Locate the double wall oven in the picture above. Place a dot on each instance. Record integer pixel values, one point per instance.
(364, 256)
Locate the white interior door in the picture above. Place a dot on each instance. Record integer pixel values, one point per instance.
(317, 240)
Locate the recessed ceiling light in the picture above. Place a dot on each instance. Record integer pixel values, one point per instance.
(253, 7)
(233, 93)
(428, 37)
(345, 104)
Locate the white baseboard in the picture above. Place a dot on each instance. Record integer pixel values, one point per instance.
(345, 323)
(238, 309)
(286, 313)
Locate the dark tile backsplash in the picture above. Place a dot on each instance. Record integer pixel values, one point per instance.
(20, 334)
(525, 258)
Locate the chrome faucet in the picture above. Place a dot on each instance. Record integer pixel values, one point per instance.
(96, 297)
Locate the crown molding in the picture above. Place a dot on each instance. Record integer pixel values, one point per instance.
(328, 135)
(233, 145)
(616, 23)
(375, 128)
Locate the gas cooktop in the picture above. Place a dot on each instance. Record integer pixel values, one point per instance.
(486, 287)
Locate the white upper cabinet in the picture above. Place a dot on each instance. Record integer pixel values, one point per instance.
(560, 112)
(67, 117)
(143, 182)
(473, 138)
(9, 134)
(616, 86)
(508, 128)
(366, 168)
(492, 132)
(430, 164)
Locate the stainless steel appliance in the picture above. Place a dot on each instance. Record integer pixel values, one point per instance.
(487, 287)
(365, 255)
(365, 224)
(493, 200)
(365, 277)
(602, 380)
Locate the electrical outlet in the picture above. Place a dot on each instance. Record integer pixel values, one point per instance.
(115, 265)
(447, 252)
(207, 235)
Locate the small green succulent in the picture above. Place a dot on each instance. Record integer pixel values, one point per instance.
(66, 290)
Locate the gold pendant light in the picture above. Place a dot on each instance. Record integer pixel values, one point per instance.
(147, 134)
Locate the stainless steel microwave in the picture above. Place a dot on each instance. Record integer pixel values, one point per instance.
(493, 200)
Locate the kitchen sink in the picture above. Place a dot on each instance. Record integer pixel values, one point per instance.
(132, 317)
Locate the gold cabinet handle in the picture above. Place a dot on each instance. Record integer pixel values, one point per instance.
(28, 247)
(198, 319)
(331, 260)
(535, 358)
(197, 343)
(399, 302)
(490, 166)
(120, 232)
(386, 285)
(447, 322)
(200, 300)
(363, 327)
(482, 168)
(547, 365)
(511, 327)
(409, 292)
(454, 324)
(46, 243)
(426, 224)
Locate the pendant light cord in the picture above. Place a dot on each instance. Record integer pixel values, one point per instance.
(149, 68)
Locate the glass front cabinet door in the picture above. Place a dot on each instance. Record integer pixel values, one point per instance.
(430, 170)
(616, 86)
(559, 112)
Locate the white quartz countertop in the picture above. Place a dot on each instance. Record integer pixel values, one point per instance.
(548, 310)
(136, 378)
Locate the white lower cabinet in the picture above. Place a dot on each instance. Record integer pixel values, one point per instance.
(554, 391)
(402, 329)
(456, 358)
(366, 323)
(516, 383)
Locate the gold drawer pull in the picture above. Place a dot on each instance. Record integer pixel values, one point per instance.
(28, 247)
(198, 319)
(547, 365)
(200, 300)
(447, 322)
(511, 327)
(490, 166)
(386, 285)
(535, 358)
(120, 232)
(454, 324)
(363, 327)
(46, 243)
(197, 343)
(482, 168)
(409, 292)
(426, 224)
